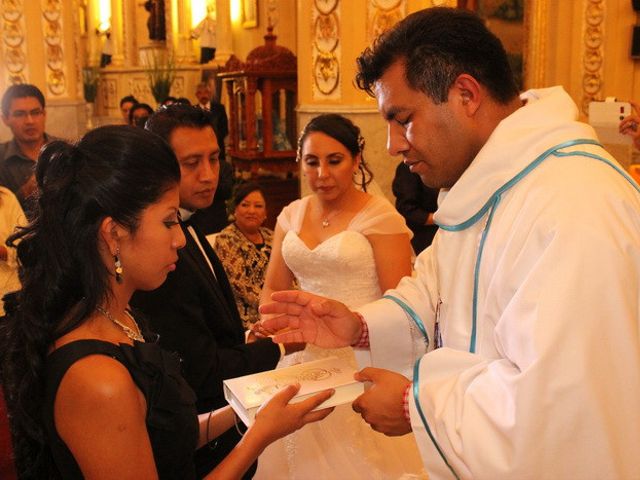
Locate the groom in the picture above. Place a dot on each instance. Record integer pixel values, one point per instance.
(194, 311)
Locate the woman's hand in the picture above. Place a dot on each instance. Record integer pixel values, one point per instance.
(275, 419)
(278, 418)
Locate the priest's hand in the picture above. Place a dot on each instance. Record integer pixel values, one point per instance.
(298, 316)
(381, 405)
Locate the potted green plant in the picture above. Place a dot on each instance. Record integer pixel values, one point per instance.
(161, 73)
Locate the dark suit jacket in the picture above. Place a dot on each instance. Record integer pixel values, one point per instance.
(219, 121)
(414, 201)
(196, 316)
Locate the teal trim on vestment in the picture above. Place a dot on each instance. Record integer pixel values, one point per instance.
(416, 397)
(412, 315)
(490, 206)
(519, 176)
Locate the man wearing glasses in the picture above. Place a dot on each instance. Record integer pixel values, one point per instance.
(23, 111)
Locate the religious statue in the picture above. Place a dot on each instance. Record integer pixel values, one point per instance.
(206, 32)
(155, 23)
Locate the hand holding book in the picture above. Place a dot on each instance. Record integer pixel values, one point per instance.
(249, 393)
(278, 418)
(382, 404)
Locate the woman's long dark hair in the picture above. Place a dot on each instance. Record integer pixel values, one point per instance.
(115, 171)
(344, 131)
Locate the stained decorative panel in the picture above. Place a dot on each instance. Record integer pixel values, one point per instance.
(14, 50)
(326, 49)
(53, 44)
(382, 15)
(593, 54)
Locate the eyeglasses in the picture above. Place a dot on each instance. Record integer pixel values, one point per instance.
(22, 114)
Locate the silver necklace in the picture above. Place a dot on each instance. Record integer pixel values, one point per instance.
(325, 222)
(129, 332)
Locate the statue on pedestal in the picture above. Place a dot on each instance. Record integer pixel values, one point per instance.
(156, 23)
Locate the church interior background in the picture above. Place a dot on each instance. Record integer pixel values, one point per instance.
(583, 45)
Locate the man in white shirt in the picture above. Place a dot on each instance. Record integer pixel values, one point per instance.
(513, 351)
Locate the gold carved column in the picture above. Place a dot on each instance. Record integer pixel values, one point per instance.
(593, 54)
(117, 36)
(13, 53)
(224, 37)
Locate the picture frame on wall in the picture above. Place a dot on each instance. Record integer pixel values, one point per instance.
(249, 13)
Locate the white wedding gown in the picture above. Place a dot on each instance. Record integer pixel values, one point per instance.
(342, 446)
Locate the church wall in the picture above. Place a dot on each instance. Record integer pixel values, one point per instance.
(587, 47)
(246, 38)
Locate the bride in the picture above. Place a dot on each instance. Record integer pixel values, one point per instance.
(342, 243)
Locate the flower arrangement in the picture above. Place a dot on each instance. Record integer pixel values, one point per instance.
(161, 73)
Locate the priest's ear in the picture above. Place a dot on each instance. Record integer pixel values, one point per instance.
(467, 93)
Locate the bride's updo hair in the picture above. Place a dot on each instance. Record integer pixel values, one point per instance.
(344, 131)
(113, 171)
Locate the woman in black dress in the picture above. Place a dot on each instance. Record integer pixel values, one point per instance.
(89, 392)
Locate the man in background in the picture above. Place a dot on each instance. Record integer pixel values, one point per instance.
(215, 217)
(23, 111)
(217, 112)
(126, 103)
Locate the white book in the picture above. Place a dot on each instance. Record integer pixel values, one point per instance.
(246, 394)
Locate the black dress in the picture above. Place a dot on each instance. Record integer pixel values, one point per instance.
(171, 413)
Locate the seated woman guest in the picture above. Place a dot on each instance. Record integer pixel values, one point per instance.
(139, 114)
(244, 248)
(89, 392)
(345, 243)
(11, 215)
